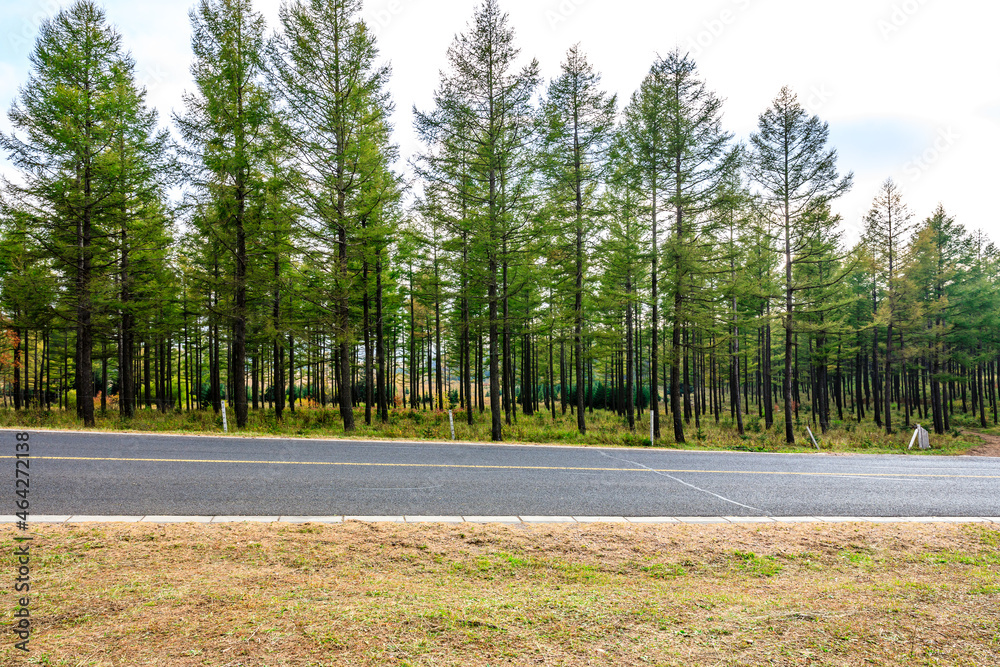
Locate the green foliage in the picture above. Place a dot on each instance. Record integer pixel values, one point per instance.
(543, 250)
(756, 566)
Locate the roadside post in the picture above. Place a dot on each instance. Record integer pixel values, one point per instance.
(921, 437)
(451, 420)
(812, 437)
(225, 424)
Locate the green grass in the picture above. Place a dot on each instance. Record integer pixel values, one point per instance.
(603, 429)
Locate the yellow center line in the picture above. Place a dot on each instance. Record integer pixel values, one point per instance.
(504, 467)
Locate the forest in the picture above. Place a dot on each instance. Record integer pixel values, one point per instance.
(552, 253)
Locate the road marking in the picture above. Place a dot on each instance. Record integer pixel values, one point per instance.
(887, 478)
(73, 519)
(502, 467)
(678, 479)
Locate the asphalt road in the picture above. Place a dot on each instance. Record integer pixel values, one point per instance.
(124, 474)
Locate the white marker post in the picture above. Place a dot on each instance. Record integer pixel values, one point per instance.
(451, 419)
(921, 437)
(225, 424)
(651, 443)
(812, 437)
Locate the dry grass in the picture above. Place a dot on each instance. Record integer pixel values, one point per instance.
(387, 594)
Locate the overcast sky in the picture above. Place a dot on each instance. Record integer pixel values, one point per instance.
(909, 87)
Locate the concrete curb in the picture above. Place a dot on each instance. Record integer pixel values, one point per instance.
(741, 520)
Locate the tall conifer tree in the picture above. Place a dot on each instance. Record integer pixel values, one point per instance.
(225, 127)
(337, 107)
(798, 176)
(65, 123)
(578, 121)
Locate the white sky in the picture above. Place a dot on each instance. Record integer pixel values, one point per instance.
(909, 87)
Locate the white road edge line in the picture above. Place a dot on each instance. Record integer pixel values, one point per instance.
(75, 519)
(404, 441)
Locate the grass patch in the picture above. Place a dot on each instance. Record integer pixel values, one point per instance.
(390, 594)
(756, 566)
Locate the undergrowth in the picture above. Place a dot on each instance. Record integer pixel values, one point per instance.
(603, 428)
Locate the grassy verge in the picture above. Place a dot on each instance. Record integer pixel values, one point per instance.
(380, 594)
(603, 429)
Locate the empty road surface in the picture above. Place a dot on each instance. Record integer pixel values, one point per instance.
(138, 474)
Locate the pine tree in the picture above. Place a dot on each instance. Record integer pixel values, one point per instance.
(139, 155)
(696, 159)
(798, 177)
(225, 127)
(934, 269)
(644, 133)
(622, 250)
(886, 228)
(278, 216)
(821, 302)
(324, 65)
(487, 99)
(578, 121)
(66, 115)
(733, 208)
(29, 285)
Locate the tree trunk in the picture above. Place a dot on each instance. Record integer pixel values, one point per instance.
(562, 375)
(675, 378)
(734, 371)
(383, 397)
(239, 347)
(629, 359)
(437, 336)
(875, 382)
(767, 380)
(508, 375)
(291, 371)
(344, 315)
(277, 351)
(982, 401)
(366, 323)
(581, 423)
(466, 343)
(85, 370)
(888, 380)
(496, 433)
(17, 371)
(789, 339)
